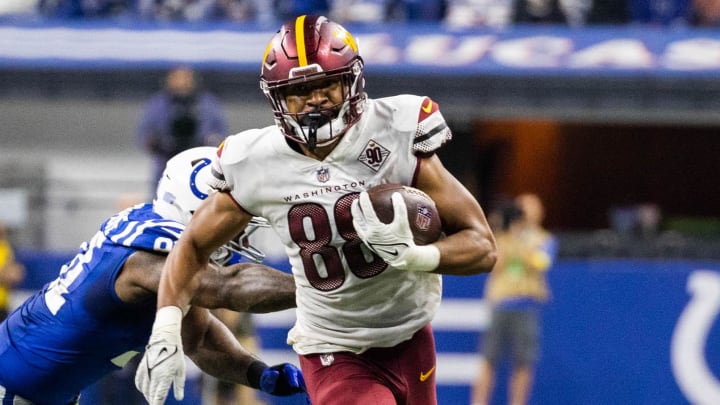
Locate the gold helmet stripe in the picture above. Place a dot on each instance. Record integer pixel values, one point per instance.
(300, 40)
(268, 48)
(346, 37)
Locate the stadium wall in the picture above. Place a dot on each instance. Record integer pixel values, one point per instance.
(641, 332)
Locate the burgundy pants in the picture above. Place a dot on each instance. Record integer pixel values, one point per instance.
(403, 375)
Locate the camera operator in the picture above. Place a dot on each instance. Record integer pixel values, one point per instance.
(180, 116)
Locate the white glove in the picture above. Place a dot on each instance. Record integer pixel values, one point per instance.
(393, 242)
(164, 361)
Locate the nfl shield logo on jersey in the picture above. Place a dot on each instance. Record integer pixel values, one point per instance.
(327, 359)
(323, 174)
(423, 217)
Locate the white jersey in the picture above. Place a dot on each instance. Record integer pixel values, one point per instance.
(347, 298)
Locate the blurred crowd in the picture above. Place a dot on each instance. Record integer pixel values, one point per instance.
(453, 13)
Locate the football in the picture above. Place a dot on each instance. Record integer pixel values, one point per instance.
(423, 216)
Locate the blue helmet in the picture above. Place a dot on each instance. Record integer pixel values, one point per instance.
(184, 185)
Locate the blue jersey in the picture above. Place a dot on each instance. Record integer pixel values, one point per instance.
(75, 329)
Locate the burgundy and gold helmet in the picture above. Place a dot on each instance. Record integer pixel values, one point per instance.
(306, 49)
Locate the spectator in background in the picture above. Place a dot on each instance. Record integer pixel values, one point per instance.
(538, 12)
(11, 272)
(244, 11)
(358, 11)
(515, 290)
(502, 13)
(87, 9)
(415, 11)
(378, 11)
(288, 9)
(608, 12)
(661, 13)
(181, 116)
(18, 7)
(176, 10)
(478, 13)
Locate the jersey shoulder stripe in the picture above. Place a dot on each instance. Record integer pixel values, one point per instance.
(439, 129)
(432, 130)
(139, 227)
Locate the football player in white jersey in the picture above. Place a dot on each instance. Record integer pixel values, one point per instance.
(363, 316)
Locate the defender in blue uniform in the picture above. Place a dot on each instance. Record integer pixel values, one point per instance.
(99, 312)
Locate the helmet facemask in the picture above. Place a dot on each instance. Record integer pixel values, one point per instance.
(323, 126)
(241, 245)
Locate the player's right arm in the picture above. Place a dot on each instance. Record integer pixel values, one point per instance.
(213, 348)
(246, 287)
(216, 221)
(242, 287)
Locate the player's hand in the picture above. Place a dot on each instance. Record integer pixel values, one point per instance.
(389, 241)
(393, 242)
(163, 363)
(282, 380)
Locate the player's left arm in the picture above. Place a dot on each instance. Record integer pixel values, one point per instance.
(469, 246)
(213, 348)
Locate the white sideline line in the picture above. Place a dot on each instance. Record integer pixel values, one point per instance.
(452, 368)
(453, 315)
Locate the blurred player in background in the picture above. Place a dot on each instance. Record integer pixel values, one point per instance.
(98, 313)
(180, 116)
(516, 289)
(11, 272)
(363, 320)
